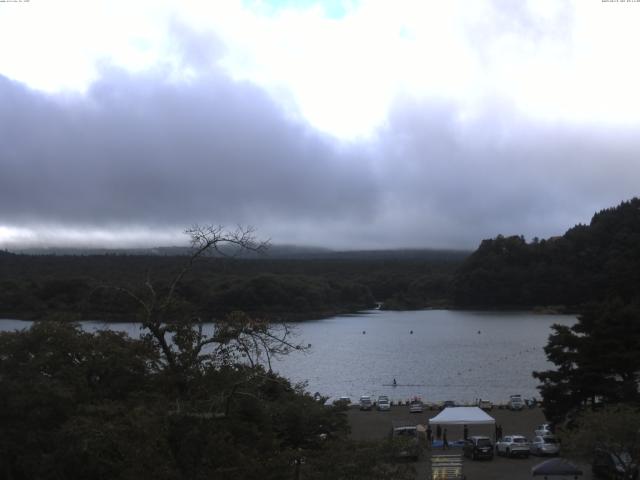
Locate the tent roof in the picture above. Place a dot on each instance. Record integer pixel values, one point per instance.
(463, 416)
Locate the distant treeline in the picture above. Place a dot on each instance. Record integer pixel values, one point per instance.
(80, 287)
(589, 263)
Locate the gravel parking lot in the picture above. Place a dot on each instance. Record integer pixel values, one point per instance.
(374, 425)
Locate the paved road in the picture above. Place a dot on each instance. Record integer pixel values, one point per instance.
(374, 425)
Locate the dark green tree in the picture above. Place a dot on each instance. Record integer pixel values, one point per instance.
(589, 263)
(614, 428)
(54, 375)
(597, 360)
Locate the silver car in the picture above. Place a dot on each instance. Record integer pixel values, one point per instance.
(545, 445)
(543, 430)
(383, 403)
(513, 446)
(365, 402)
(416, 406)
(515, 402)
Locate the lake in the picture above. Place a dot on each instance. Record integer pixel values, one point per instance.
(451, 355)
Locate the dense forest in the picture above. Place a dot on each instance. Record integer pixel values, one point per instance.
(175, 403)
(588, 263)
(77, 286)
(83, 405)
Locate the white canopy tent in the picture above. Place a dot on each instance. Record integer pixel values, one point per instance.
(462, 416)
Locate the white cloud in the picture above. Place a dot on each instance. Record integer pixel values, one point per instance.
(567, 60)
(60, 45)
(45, 236)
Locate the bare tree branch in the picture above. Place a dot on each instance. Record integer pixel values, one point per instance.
(236, 339)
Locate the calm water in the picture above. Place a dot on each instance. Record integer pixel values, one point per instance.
(450, 354)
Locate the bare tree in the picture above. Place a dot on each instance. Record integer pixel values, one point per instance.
(183, 343)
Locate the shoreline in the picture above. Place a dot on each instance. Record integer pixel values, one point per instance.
(288, 317)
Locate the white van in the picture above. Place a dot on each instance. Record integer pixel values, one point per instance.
(516, 402)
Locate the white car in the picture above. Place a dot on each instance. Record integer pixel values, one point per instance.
(544, 429)
(365, 402)
(416, 406)
(513, 445)
(516, 402)
(545, 445)
(383, 403)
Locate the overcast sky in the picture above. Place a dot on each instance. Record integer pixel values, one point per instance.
(339, 124)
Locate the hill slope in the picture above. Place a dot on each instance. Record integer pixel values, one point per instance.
(588, 263)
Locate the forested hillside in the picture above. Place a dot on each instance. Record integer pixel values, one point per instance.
(46, 286)
(588, 263)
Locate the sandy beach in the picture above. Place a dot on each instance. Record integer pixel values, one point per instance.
(374, 425)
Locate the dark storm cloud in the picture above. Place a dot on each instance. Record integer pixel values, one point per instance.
(136, 150)
(139, 150)
(462, 179)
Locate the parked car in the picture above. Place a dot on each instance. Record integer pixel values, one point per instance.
(614, 465)
(478, 447)
(485, 405)
(544, 429)
(447, 404)
(404, 435)
(365, 402)
(515, 402)
(342, 401)
(416, 406)
(545, 445)
(513, 446)
(383, 403)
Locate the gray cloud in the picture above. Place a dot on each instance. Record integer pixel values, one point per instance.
(464, 180)
(139, 150)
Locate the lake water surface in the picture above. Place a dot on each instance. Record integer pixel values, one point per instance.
(451, 355)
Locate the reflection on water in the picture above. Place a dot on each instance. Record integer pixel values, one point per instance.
(438, 354)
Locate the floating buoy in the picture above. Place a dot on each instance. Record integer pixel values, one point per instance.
(411, 332)
(478, 332)
(363, 332)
